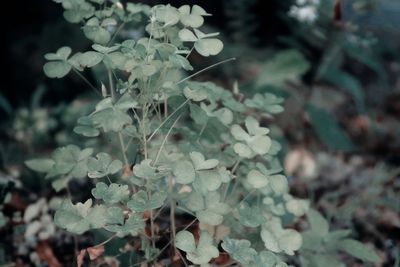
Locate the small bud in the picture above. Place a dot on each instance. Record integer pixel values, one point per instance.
(103, 90)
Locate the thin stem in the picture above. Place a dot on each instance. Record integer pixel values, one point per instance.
(106, 241)
(120, 137)
(203, 70)
(87, 82)
(172, 212)
(153, 242)
(165, 139)
(190, 52)
(172, 114)
(116, 33)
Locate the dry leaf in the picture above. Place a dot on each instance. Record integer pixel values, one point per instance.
(80, 257)
(45, 253)
(95, 252)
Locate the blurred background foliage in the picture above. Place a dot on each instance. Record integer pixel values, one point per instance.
(336, 64)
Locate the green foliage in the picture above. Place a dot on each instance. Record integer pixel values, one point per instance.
(320, 245)
(188, 146)
(285, 66)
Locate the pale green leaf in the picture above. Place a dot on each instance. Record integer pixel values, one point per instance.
(208, 47)
(239, 250)
(40, 165)
(112, 194)
(56, 69)
(184, 240)
(184, 172)
(358, 250)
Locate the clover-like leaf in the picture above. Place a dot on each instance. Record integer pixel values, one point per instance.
(195, 95)
(95, 32)
(278, 239)
(40, 165)
(103, 165)
(112, 194)
(115, 215)
(200, 254)
(268, 103)
(209, 209)
(132, 226)
(58, 66)
(141, 201)
(184, 172)
(209, 47)
(200, 163)
(256, 179)
(113, 117)
(71, 161)
(167, 15)
(207, 180)
(239, 250)
(192, 17)
(81, 217)
(254, 141)
(250, 216)
(146, 171)
(185, 241)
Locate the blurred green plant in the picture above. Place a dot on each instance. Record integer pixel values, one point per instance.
(192, 148)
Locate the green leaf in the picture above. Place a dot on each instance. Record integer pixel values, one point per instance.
(103, 165)
(112, 194)
(277, 239)
(328, 130)
(71, 161)
(3, 220)
(358, 250)
(204, 251)
(239, 250)
(146, 171)
(209, 47)
(167, 15)
(184, 172)
(195, 201)
(250, 216)
(256, 179)
(192, 18)
(209, 217)
(187, 36)
(87, 131)
(89, 59)
(195, 95)
(81, 217)
(141, 201)
(115, 215)
(209, 180)
(93, 31)
(40, 165)
(278, 184)
(318, 224)
(110, 117)
(285, 66)
(200, 163)
(349, 83)
(56, 69)
(268, 103)
(133, 226)
(185, 241)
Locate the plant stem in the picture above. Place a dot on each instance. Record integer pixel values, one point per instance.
(172, 212)
(87, 82)
(120, 137)
(173, 113)
(203, 70)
